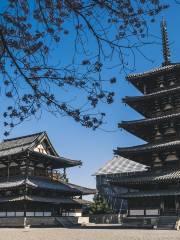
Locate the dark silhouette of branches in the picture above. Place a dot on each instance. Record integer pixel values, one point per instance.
(32, 31)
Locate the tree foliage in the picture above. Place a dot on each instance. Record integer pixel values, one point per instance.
(31, 30)
(99, 206)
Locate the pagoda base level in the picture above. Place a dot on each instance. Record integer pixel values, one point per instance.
(38, 222)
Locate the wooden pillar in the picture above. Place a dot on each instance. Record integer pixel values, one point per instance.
(64, 173)
(8, 165)
(161, 206)
(176, 204)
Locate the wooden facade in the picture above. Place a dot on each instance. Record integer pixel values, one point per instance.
(156, 191)
(33, 180)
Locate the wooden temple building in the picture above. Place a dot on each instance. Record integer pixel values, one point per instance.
(156, 191)
(31, 185)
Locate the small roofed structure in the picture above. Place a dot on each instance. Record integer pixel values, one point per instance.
(117, 167)
(33, 179)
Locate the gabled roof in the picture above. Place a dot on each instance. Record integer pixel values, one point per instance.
(120, 165)
(28, 143)
(19, 144)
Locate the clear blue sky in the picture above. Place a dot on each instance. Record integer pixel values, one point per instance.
(95, 148)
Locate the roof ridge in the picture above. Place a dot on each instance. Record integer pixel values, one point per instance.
(25, 136)
(153, 70)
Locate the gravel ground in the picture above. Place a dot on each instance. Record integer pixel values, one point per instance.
(87, 234)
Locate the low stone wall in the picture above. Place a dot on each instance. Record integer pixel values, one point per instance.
(37, 221)
(106, 218)
(12, 222)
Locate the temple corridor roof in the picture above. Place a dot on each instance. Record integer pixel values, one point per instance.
(120, 165)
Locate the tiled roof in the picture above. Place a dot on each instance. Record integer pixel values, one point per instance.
(150, 120)
(149, 147)
(57, 161)
(45, 199)
(158, 70)
(151, 193)
(19, 144)
(28, 143)
(152, 95)
(43, 183)
(148, 177)
(120, 165)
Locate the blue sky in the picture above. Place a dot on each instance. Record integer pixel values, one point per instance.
(95, 148)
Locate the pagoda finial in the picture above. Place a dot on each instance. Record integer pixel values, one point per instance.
(165, 43)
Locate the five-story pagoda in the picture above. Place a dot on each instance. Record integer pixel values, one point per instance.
(157, 191)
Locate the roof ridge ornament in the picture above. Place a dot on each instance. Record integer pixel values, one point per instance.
(165, 43)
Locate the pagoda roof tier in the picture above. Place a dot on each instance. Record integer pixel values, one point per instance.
(139, 79)
(142, 103)
(64, 201)
(42, 183)
(28, 146)
(139, 127)
(146, 178)
(148, 147)
(156, 193)
(141, 152)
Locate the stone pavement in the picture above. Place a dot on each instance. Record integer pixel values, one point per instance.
(87, 234)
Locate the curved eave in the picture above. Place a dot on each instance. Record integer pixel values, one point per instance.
(151, 194)
(147, 148)
(83, 190)
(152, 96)
(138, 79)
(57, 162)
(148, 121)
(138, 131)
(140, 108)
(146, 178)
(139, 127)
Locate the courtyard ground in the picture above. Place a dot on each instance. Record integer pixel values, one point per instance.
(86, 234)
